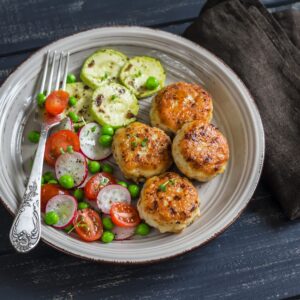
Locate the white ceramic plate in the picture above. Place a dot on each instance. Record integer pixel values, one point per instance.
(222, 200)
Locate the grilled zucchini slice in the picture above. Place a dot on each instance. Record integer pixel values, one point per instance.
(115, 105)
(83, 94)
(102, 67)
(136, 72)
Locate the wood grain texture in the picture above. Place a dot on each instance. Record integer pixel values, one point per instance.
(258, 257)
(31, 24)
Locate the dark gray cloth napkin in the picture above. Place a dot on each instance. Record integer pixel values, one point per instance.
(264, 55)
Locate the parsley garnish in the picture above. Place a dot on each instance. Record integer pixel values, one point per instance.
(144, 142)
(104, 181)
(134, 144)
(70, 149)
(104, 77)
(163, 187)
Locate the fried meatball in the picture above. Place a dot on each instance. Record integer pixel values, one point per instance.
(178, 104)
(200, 151)
(169, 202)
(141, 151)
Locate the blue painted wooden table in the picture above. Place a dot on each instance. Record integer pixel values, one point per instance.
(258, 257)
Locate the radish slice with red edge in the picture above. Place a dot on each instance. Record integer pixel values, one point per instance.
(90, 147)
(111, 194)
(123, 233)
(73, 164)
(65, 124)
(82, 185)
(65, 206)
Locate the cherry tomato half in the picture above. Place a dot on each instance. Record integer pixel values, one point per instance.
(56, 102)
(88, 225)
(48, 191)
(96, 183)
(59, 141)
(124, 215)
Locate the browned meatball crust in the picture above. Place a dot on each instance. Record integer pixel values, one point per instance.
(178, 104)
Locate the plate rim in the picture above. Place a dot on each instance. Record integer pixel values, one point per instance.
(259, 129)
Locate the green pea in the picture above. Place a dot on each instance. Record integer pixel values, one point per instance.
(107, 237)
(152, 83)
(79, 194)
(107, 130)
(83, 205)
(107, 223)
(107, 168)
(34, 136)
(105, 140)
(73, 117)
(41, 99)
(94, 166)
(48, 176)
(134, 190)
(123, 183)
(66, 181)
(71, 78)
(53, 181)
(142, 229)
(72, 101)
(51, 218)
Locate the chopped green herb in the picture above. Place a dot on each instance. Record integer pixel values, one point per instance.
(104, 181)
(138, 74)
(53, 181)
(69, 228)
(144, 142)
(172, 181)
(104, 77)
(133, 144)
(93, 128)
(163, 187)
(113, 97)
(70, 149)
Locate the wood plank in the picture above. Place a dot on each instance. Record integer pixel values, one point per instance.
(258, 255)
(30, 24)
(9, 63)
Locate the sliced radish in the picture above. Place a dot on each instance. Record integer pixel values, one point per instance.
(123, 233)
(90, 147)
(93, 204)
(65, 206)
(111, 194)
(73, 164)
(82, 185)
(65, 124)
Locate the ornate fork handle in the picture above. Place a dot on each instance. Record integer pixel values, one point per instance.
(26, 229)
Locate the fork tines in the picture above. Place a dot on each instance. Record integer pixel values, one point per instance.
(62, 68)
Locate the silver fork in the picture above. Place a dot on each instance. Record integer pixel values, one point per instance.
(25, 232)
